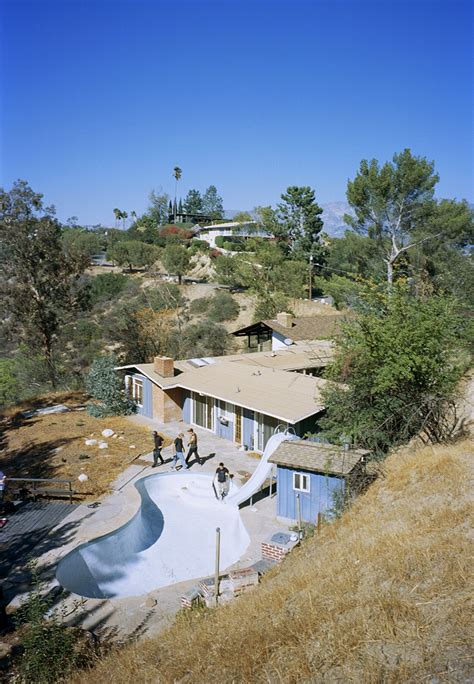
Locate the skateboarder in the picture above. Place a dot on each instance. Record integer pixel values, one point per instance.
(222, 481)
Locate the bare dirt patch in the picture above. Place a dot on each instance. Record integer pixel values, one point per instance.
(53, 446)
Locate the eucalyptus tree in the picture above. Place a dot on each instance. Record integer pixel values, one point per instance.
(39, 278)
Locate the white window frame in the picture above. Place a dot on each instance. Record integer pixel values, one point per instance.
(212, 413)
(302, 488)
(135, 381)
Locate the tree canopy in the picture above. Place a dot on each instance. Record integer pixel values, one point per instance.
(193, 202)
(40, 281)
(400, 361)
(176, 259)
(299, 220)
(133, 253)
(394, 205)
(212, 204)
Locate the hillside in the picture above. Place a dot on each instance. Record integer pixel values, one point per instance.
(380, 595)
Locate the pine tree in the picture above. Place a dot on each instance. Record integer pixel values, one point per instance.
(212, 204)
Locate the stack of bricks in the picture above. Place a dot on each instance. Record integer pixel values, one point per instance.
(206, 588)
(276, 547)
(191, 598)
(241, 580)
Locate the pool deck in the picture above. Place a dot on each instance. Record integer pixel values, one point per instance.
(148, 614)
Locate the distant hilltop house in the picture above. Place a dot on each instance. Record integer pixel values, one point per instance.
(242, 398)
(230, 230)
(184, 217)
(285, 330)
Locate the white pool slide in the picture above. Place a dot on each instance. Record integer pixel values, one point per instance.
(262, 471)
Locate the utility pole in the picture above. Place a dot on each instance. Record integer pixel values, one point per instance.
(217, 569)
(310, 293)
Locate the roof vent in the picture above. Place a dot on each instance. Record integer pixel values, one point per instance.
(288, 341)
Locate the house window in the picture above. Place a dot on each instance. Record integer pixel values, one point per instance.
(203, 411)
(137, 391)
(300, 482)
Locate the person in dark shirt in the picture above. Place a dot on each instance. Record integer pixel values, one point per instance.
(158, 439)
(179, 452)
(222, 481)
(193, 447)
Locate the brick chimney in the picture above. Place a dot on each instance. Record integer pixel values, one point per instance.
(285, 319)
(164, 366)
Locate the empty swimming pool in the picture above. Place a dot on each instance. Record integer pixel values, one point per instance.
(170, 539)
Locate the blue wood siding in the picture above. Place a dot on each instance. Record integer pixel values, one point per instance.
(247, 428)
(147, 408)
(225, 431)
(187, 406)
(318, 500)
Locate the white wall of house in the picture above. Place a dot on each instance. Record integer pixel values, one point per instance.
(229, 230)
(278, 340)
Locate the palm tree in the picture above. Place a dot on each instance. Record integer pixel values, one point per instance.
(117, 214)
(133, 214)
(124, 217)
(177, 173)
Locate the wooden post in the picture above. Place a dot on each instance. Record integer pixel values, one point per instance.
(298, 512)
(218, 554)
(320, 520)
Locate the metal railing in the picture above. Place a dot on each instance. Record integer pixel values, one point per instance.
(35, 491)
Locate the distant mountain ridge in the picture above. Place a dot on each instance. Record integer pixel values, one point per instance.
(333, 217)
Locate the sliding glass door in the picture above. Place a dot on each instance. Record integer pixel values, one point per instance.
(203, 414)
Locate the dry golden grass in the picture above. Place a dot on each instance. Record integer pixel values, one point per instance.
(380, 596)
(51, 445)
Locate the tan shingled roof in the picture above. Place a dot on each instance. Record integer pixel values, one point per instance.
(316, 354)
(320, 458)
(289, 397)
(309, 327)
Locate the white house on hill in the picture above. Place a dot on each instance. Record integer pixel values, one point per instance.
(232, 229)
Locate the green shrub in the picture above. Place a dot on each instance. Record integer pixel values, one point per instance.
(269, 305)
(233, 246)
(200, 306)
(49, 647)
(198, 246)
(223, 307)
(105, 386)
(220, 239)
(107, 286)
(9, 388)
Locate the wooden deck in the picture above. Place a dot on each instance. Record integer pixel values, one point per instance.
(27, 526)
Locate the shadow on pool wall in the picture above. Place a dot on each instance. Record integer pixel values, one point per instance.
(145, 553)
(94, 565)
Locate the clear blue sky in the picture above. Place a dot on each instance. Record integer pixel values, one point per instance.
(102, 98)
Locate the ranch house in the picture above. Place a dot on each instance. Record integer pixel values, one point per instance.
(242, 398)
